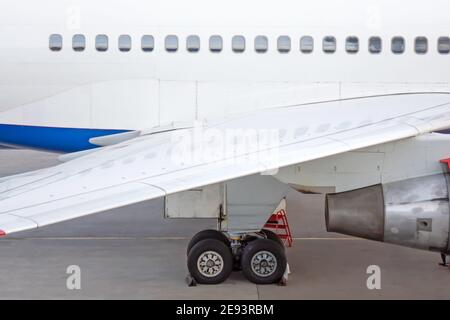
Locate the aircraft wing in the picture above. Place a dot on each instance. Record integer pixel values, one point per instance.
(154, 165)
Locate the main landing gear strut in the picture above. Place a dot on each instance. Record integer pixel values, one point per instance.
(212, 256)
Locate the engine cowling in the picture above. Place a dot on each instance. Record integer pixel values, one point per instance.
(413, 213)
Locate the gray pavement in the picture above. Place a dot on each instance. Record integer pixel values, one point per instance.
(133, 253)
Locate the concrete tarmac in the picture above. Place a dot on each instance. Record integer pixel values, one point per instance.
(133, 253)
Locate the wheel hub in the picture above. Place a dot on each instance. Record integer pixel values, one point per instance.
(210, 264)
(264, 263)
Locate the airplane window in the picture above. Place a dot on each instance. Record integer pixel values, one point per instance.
(329, 44)
(444, 45)
(398, 45)
(215, 43)
(193, 43)
(375, 45)
(238, 43)
(101, 42)
(147, 43)
(306, 44)
(421, 45)
(352, 44)
(78, 42)
(171, 43)
(284, 44)
(55, 42)
(124, 43)
(261, 44)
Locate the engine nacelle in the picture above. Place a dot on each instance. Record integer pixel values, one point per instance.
(413, 213)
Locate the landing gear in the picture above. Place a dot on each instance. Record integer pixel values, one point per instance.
(212, 256)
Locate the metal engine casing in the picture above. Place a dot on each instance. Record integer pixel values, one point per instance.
(413, 213)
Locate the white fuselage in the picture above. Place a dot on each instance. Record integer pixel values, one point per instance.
(139, 90)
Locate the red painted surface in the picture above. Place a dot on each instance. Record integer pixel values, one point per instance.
(279, 223)
(446, 161)
(2, 233)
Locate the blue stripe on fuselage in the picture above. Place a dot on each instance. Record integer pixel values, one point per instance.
(51, 138)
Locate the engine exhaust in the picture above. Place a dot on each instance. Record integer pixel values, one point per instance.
(413, 213)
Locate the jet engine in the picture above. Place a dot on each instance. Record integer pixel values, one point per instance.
(412, 213)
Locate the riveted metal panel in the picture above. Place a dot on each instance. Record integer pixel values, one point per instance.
(422, 225)
(251, 200)
(416, 189)
(417, 213)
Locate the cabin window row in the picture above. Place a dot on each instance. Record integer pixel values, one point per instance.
(261, 44)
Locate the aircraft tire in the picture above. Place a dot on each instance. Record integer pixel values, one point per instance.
(207, 234)
(263, 261)
(272, 236)
(210, 261)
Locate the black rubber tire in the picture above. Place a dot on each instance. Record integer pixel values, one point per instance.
(210, 245)
(272, 236)
(207, 234)
(263, 245)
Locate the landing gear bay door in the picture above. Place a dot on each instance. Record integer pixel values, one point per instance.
(204, 202)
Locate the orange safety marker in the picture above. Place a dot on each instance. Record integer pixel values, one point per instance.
(446, 161)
